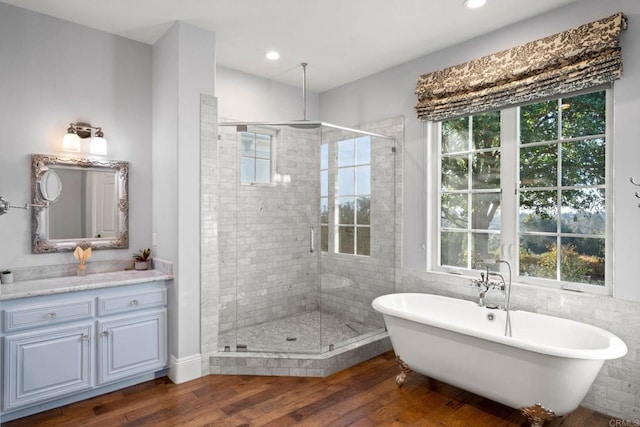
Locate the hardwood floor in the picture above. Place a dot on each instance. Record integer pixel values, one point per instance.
(364, 395)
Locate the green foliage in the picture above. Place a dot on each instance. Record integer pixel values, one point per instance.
(574, 266)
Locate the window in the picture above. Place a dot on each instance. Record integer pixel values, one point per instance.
(556, 153)
(255, 157)
(354, 196)
(346, 208)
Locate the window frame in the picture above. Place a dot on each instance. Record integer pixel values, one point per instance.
(273, 134)
(509, 205)
(334, 196)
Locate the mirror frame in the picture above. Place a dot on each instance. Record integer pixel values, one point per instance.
(40, 242)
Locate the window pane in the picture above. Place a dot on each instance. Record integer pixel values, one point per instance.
(538, 256)
(539, 122)
(345, 210)
(247, 172)
(346, 153)
(324, 238)
(455, 135)
(485, 246)
(453, 212)
(363, 145)
(486, 130)
(539, 166)
(263, 146)
(486, 170)
(363, 180)
(324, 210)
(247, 144)
(364, 241)
(486, 211)
(453, 249)
(324, 183)
(263, 170)
(346, 184)
(364, 210)
(455, 173)
(346, 236)
(538, 211)
(324, 156)
(583, 115)
(582, 260)
(583, 211)
(583, 162)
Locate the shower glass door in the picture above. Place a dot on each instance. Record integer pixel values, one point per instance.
(270, 283)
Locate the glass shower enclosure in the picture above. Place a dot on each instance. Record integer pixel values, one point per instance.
(306, 234)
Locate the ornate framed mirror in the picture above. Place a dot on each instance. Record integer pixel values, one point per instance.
(78, 202)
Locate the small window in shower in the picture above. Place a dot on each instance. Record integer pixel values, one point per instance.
(354, 196)
(256, 153)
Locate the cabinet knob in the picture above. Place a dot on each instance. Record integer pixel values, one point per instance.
(51, 315)
(134, 302)
(86, 337)
(105, 333)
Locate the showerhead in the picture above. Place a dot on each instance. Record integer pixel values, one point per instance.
(305, 124)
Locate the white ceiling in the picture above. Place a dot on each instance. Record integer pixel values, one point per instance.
(342, 40)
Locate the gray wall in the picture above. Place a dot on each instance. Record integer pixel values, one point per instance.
(244, 97)
(53, 72)
(183, 70)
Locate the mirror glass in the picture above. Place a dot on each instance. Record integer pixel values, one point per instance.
(80, 202)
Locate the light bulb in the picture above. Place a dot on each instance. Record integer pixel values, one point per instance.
(71, 142)
(98, 145)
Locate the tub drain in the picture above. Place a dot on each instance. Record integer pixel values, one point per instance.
(291, 338)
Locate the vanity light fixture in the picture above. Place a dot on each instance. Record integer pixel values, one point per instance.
(474, 4)
(76, 131)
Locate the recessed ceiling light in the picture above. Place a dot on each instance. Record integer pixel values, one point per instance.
(474, 4)
(272, 55)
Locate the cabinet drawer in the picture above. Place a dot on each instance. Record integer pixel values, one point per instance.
(23, 317)
(131, 301)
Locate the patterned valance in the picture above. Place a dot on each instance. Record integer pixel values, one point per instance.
(583, 57)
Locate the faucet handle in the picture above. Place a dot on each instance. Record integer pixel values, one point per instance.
(496, 284)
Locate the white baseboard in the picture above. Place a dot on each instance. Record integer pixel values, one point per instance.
(185, 369)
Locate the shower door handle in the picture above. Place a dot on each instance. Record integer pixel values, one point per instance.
(312, 239)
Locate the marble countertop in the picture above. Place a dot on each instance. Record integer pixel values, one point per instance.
(59, 285)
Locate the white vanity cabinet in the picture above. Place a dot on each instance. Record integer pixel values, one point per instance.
(69, 346)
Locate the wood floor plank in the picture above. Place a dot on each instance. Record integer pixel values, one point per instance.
(362, 396)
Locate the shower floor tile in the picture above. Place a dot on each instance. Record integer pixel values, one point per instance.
(301, 333)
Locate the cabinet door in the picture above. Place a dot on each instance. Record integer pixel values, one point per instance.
(46, 364)
(131, 345)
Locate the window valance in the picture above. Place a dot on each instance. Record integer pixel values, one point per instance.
(576, 59)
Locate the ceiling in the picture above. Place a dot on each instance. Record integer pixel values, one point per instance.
(342, 40)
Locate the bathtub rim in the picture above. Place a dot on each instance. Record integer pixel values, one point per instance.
(616, 348)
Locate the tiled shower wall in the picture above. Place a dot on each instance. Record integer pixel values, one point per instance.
(616, 390)
(267, 271)
(350, 283)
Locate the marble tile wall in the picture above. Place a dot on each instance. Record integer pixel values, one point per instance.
(267, 271)
(208, 228)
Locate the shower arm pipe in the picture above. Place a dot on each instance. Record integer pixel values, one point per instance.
(304, 90)
(298, 123)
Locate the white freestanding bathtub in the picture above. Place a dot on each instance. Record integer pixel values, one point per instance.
(544, 369)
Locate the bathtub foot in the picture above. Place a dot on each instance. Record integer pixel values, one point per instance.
(537, 414)
(405, 370)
